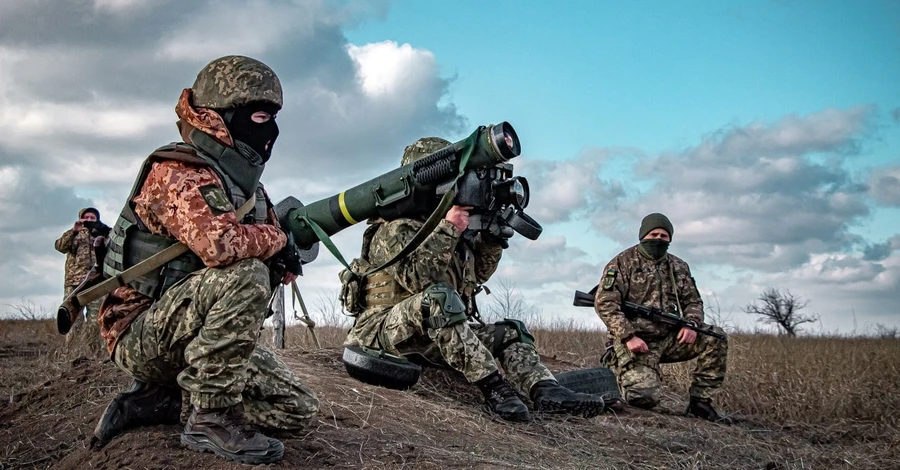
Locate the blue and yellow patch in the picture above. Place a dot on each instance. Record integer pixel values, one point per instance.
(609, 279)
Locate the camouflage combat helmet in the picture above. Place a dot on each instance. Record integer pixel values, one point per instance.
(421, 148)
(234, 80)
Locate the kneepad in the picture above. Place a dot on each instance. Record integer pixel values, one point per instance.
(448, 302)
(500, 328)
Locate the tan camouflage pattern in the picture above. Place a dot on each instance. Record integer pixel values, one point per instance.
(647, 282)
(86, 329)
(79, 250)
(638, 373)
(442, 257)
(206, 120)
(203, 335)
(170, 204)
(232, 81)
(422, 148)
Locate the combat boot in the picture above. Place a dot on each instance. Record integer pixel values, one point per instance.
(224, 432)
(502, 398)
(703, 409)
(551, 397)
(143, 404)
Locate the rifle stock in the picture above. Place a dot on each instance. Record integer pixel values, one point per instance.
(632, 310)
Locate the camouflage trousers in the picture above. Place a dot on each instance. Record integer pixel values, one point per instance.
(464, 347)
(202, 334)
(638, 373)
(86, 331)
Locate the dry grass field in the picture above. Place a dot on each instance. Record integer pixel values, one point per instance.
(814, 402)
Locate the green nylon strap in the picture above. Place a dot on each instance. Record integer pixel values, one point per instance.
(430, 224)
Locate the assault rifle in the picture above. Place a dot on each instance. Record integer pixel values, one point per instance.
(654, 314)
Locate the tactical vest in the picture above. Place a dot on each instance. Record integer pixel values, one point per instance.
(131, 242)
(382, 290)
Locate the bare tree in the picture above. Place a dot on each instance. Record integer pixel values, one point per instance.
(507, 302)
(781, 309)
(327, 307)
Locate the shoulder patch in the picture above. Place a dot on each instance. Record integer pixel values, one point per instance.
(216, 199)
(609, 279)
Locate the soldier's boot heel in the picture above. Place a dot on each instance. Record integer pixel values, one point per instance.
(143, 404)
(223, 432)
(502, 399)
(703, 409)
(550, 397)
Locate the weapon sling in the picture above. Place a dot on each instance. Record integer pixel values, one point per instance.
(154, 262)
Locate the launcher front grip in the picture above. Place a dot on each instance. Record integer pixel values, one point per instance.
(399, 192)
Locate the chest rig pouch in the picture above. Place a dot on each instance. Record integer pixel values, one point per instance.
(131, 242)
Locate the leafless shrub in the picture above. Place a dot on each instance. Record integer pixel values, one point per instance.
(782, 310)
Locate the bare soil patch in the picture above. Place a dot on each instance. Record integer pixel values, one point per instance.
(55, 403)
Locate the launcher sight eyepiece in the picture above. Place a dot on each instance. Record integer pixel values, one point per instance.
(411, 189)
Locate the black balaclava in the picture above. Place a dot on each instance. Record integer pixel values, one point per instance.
(253, 134)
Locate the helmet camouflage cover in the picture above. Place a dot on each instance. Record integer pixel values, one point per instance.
(233, 81)
(421, 148)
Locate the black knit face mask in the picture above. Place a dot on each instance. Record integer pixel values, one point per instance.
(260, 136)
(655, 248)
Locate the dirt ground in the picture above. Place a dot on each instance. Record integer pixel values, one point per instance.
(50, 405)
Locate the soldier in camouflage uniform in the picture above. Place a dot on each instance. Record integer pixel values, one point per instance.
(194, 325)
(77, 244)
(647, 274)
(422, 304)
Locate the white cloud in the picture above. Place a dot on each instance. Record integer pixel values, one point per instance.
(388, 69)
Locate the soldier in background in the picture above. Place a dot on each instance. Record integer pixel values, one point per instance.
(647, 274)
(194, 325)
(422, 304)
(78, 245)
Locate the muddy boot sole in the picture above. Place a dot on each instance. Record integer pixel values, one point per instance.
(587, 409)
(200, 443)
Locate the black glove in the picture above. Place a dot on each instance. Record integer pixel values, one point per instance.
(285, 261)
(289, 256)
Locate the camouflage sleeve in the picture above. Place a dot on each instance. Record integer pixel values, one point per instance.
(487, 258)
(608, 301)
(189, 204)
(426, 264)
(691, 303)
(64, 243)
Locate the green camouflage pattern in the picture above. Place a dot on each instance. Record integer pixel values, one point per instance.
(638, 373)
(79, 250)
(202, 334)
(442, 257)
(233, 81)
(647, 282)
(421, 148)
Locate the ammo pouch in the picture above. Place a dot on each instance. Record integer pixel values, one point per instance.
(129, 246)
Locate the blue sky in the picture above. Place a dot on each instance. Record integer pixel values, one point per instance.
(769, 131)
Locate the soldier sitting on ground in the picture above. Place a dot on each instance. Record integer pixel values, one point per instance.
(647, 274)
(424, 303)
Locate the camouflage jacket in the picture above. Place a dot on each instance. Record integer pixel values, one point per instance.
(442, 257)
(79, 250)
(171, 203)
(631, 276)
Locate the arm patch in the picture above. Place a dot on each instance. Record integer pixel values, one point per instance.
(216, 199)
(609, 279)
